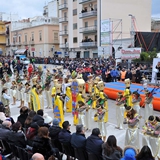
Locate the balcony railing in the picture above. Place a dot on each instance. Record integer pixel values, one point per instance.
(88, 14)
(63, 6)
(25, 43)
(2, 32)
(13, 44)
(63, 33)
(88, 44)
(18, 43)
(90, 29)
(64, 45)
(31, 42)
(85, 1)
(63, 19)
(55, 41)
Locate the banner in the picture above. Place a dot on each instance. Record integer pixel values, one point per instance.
(154, 70)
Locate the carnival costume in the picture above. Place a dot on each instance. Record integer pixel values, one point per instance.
(48, 94)
(132, 133)
(100, 119)
(39, 91)
(14, 91)
(120, 109)
(148, 110)
(21, 90)
(151, 135)
(136, 101)
(27, 94)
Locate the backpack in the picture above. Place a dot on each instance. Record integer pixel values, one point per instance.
(31, 132)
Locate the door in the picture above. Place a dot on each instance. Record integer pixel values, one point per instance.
(86, 54)
(78, 55)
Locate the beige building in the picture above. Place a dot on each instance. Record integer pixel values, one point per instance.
(80, 23)
(37, 38)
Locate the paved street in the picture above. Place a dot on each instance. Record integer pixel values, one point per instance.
(120, 134)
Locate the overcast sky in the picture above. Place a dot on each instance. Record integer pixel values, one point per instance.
(31, 8)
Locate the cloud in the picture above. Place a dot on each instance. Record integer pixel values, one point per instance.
(156, 8)
(24, 8)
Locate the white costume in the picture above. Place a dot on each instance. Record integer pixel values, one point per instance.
(120, 115)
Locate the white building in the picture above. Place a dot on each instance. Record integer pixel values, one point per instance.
(51, 9)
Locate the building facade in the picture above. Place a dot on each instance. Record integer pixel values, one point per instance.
(80, 23)
(39, 37)
(2, 38)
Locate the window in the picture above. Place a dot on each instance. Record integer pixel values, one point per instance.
(25, 38)
(65, 14)
(74, 39)
(65, 40)
(19, 38)
(65, 28)
(40, 36)
(74, 12)
(86, 24)
(95, 22)
(75, 26)
(55, 36)
(32, 37)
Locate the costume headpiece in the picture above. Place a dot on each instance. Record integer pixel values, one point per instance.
(128, 108)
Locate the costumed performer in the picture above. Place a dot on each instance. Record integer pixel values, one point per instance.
(136, 101)
(14, 91)
(151, 137)
(90, 83)
(100, 117)
(48, 94)
(120, 109)
(148, 110)
(132, 133)
(28, 94)
(39, 91)
(21, 90)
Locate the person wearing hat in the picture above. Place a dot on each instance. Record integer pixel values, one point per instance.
(132, 134)
(27, 94)
(136, 101)
(39, 91)
(127, 93)
(48, 94)
(99, 117)
(129, 153)
(120, 110)
(148, 110)
(21, 90)
(14, 92)
(151, 133)
(47, 119)
(90, 83)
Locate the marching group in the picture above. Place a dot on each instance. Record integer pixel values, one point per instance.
(77, 90)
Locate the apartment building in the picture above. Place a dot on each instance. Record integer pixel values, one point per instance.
(38, 38)
(80, 23)
(2, 38)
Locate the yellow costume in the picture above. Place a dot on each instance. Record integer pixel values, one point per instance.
(69, 100)
(58, 110)
(35, 102)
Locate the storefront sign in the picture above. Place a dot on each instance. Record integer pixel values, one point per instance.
(130, 53)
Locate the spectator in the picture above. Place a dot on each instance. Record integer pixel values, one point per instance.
(94, 143)
(37, 156)
(128, 74)
(23, 115)
(114, 75)
(54, 130)
(138, 75)
(29, 119)
(65, 134)
(38, 118)
(42, 144)
(110, 149)
(2, 115)
(78, 139)
(5, 129)
(123, 74)
(145, 154)
(17, 136)
(129, 153)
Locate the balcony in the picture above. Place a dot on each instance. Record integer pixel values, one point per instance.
(63, 33)
(64, 46)
(31, 42)
(18, 43)
(25, 43)
(90, 29)
(88, 44)
(63, 20)
(86, 1)
(45, 13)
(13, 44)
(55, 41)
(7, 45)
(2, 32)
(63, 6)
(88, 14)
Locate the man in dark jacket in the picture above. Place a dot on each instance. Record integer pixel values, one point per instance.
(78, 139)
(94, 143)
(5, 130)
(38, 118)
(65, 134)
(128, 74)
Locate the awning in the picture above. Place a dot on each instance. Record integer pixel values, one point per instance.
(20, 51)
(1, 52)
